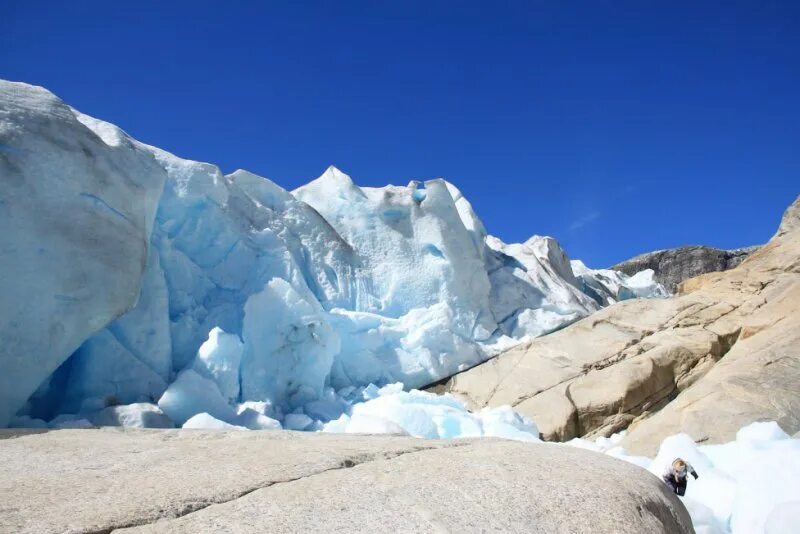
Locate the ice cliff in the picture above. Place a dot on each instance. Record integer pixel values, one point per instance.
(129, 275)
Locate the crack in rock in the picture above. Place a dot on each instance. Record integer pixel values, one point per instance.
(346, 463)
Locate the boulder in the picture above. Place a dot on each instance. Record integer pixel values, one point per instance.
(627, 362)
(210, 481)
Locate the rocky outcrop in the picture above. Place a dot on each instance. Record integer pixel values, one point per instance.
(621, 365)
(206, 481)
(759, 378)
(673, 266)
(790, 222)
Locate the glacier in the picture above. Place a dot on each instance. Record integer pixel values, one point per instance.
(144, 290)
(141, 287)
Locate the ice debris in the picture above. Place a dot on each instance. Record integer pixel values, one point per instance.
(139, 415)
(209, 422)
(746, 486)
(425, 415)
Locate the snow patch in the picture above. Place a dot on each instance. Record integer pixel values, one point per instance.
(746, 486)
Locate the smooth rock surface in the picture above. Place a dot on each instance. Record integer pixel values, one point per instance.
(759, 378)
(673, 266)
(218, 481)
(628, 361)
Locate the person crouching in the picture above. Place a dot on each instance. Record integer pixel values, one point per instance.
(676, 476)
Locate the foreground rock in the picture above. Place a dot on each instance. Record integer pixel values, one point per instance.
(673, 266)
(626, 362)
(206, 481)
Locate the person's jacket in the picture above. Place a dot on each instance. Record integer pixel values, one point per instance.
(671, 474)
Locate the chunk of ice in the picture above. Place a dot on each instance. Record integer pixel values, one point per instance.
(191, 394)
(209, 422)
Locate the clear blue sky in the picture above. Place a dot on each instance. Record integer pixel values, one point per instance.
(617, 127)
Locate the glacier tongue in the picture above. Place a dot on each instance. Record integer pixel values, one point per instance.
(253, 302)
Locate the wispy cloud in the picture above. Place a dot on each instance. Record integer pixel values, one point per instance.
(592, 215)
(582, 221)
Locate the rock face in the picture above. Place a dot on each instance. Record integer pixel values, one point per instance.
(629, 361)
(759, 378)
(675, 265)
(213, 481)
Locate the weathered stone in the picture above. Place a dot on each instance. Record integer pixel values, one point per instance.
(605, 365)
(673, 266)
(759, 379)
(205, 481)
(644, 357)
(790, 222)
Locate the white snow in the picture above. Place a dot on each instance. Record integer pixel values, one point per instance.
(644, 285)
(534, 290)
(69, 420)
(417, 265)
(783, 518)
(297, 421)
(747, 486)
(255, 420)
(73, 242)
(288, 346)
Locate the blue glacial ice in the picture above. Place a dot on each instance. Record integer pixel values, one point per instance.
(72, 244)
(132, 277)
(391, 410)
